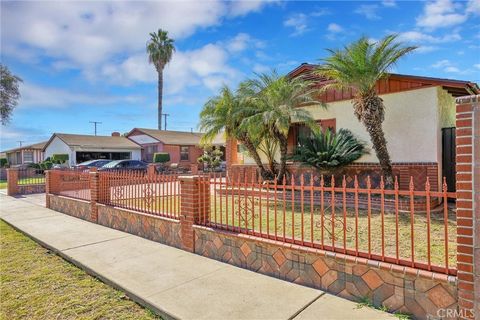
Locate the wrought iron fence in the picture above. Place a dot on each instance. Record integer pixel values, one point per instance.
(31, 176)
(70, 183)
(415, 228)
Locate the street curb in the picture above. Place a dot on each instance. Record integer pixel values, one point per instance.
(134, 297)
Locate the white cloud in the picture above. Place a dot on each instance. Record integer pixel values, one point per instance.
(335, 28)
(260, 68)
(477, 65)
(441, 14)
(441, 63)
(426, 49)
(369, 11)
(449, 67)
(389, 3)
(320, 12)
(473, 6)
(40, 96)
(298, 22)
(241, 42)
(420, 37)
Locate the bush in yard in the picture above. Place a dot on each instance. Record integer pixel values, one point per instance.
(59, 158)
(3, 162)
(211, 158)
(46, 165)
(329, 151)
(161, 157)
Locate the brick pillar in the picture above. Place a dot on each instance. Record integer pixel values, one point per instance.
(468, 205)
(94, 194)
(12, 181)
(194, 168)
(194, 208)
(231, 155)
(151, 169)
(48, 180)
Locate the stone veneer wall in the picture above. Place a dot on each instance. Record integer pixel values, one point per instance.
(73, 207)
(159, 229)
(400, 289)
(31, 188)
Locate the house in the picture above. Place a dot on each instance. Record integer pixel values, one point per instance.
(184, 147)
(82, 148)
(25, 154)
(419, 127)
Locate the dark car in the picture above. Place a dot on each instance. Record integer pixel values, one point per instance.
(98, 163)
(125, 165)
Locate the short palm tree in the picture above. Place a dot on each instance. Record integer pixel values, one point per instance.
(277, 102)
(160, 49)
(327, 151)
(224, 113)
(359, 66)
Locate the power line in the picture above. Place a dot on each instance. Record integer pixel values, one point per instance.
(20, 142)
(95, 125)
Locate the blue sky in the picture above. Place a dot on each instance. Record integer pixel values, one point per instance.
(85, 61)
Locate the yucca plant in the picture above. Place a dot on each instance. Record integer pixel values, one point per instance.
(329, 151)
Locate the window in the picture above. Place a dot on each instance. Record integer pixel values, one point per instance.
(184, 153)
(27, 157)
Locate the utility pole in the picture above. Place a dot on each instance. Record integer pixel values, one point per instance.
(95, 125)
(165, 115)
(20, 142)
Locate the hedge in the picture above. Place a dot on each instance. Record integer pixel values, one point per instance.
(59, 158)
(161, 157)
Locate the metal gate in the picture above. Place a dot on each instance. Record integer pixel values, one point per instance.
(448, 157)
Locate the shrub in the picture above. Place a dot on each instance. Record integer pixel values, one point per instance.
(161, 157)
(59, 158)
(327, 151)
(46, 165)
(211, 158)
(3, 162)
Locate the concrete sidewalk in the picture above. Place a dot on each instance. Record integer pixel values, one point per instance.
(174, 283)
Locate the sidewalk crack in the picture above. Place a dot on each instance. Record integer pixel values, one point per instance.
(92, 243)
(306, 306)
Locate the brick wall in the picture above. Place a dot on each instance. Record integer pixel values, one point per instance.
(468, 205)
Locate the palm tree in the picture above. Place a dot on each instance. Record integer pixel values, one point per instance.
(160, 49)
(359, 66)
(277, 102)
(224, 113)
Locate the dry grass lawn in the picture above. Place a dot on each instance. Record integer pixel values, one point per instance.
(37, 284)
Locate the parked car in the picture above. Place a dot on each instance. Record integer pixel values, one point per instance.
(125, 165)
(98, 163)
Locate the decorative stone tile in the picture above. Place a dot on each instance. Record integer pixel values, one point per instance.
(372, 279)
(440, 296)
(279, 257)
(217, 242)
(382, 293)
(245, 249)
(328, 278)
(320, 266)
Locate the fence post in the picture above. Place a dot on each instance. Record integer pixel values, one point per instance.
(468, 205)
(151, 169)
(48, 181)
(94, 194)
(195, 200)
(12, 181)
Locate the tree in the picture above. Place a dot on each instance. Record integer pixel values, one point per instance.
(359, 66)
(9, 93)
(224, 114)
(211, 158)
(160, 49)
(276, 103)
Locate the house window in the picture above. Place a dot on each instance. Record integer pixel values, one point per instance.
(184, 151)
(27, 157)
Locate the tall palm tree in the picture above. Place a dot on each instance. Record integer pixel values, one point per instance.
(359, 66)
(277, 102)
(224, 113)
(160, 49)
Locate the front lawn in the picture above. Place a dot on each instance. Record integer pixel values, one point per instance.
(37, 284)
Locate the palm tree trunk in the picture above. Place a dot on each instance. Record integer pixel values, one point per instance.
(370, 111)
(283, 143)
(256, 157)
(160, 97)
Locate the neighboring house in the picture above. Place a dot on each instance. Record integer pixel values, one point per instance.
(419, 126)
(81, 148)
(184, 147)
(25, 154)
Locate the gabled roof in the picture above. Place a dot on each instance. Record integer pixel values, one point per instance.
(171, 137)
(98, 142)
(402, 82)
(35, 146)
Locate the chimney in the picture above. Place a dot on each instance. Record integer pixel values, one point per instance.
(115, 134)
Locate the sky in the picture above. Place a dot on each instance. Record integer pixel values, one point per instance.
(86, 61)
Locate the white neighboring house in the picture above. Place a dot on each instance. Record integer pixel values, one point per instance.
(82, 148)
